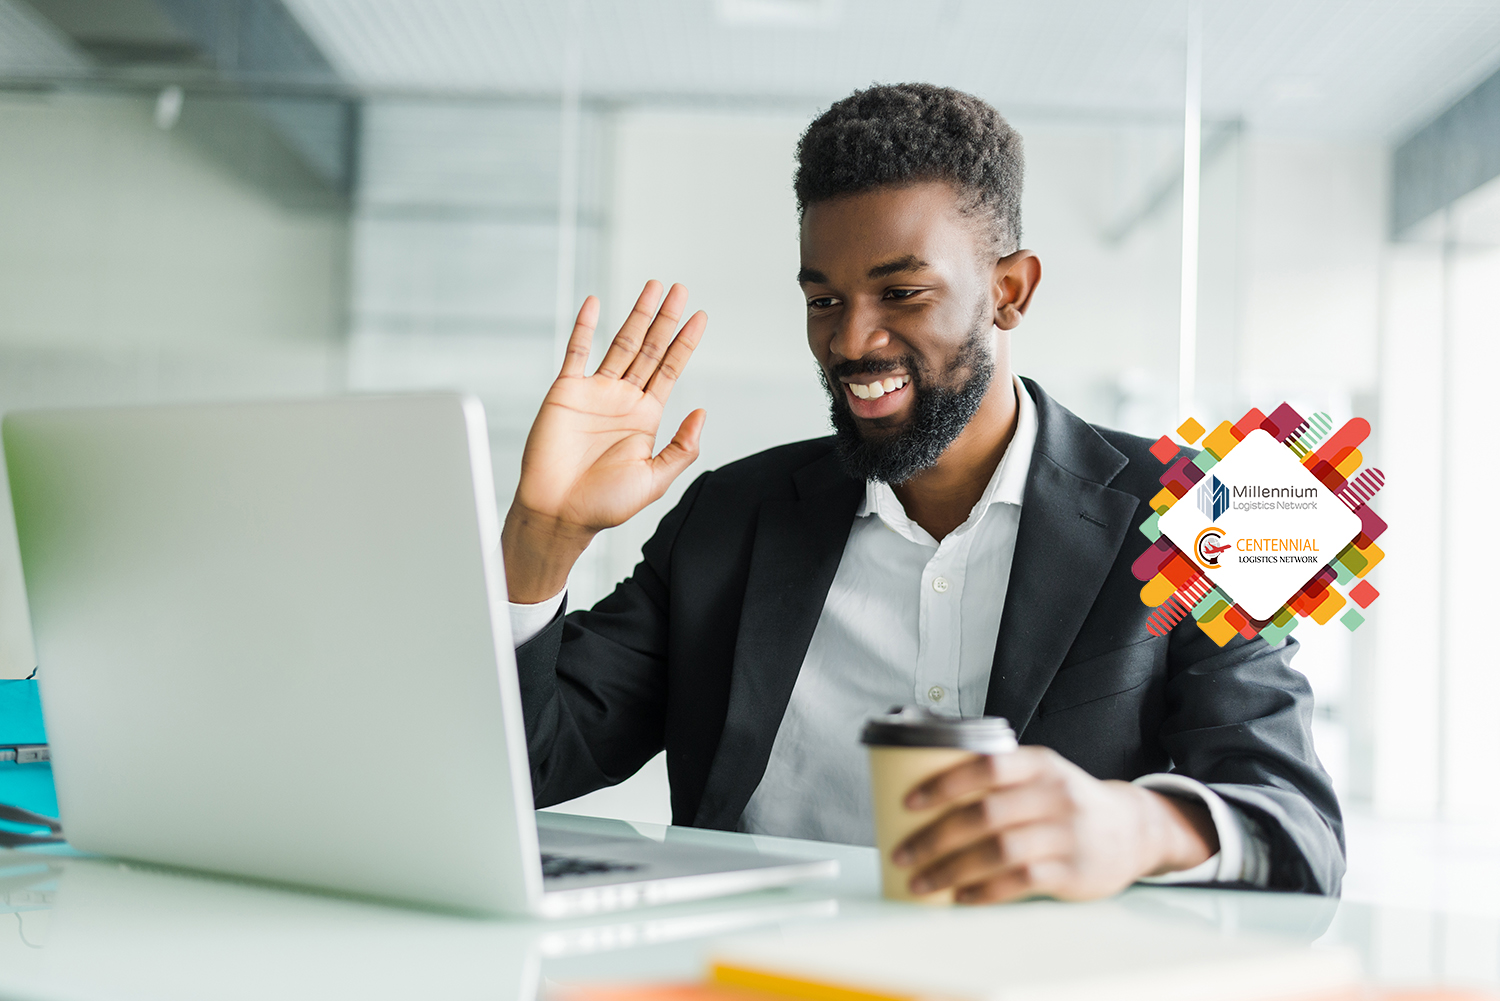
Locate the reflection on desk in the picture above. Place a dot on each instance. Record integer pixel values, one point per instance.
(82, 927)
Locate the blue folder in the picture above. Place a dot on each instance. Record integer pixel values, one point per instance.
(27, 786)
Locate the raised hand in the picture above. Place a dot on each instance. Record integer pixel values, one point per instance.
(588, 463)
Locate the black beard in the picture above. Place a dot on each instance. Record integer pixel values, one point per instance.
(939, 414)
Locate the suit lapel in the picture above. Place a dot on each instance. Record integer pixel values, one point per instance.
(798, 546)
(1072, 526)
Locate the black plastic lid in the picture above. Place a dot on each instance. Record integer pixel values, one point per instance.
(913, 726)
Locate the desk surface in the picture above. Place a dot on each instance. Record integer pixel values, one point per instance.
(85, 928)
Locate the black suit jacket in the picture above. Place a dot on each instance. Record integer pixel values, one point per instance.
(698, 650)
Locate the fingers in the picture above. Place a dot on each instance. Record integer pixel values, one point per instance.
(1044, 878)
(623, 349)
(658, 336)
(677, 357)
(995, 856)
(962, 826)
(649, 352)
(627, 342)
(983, 771)
(581, 341)
(679, 453)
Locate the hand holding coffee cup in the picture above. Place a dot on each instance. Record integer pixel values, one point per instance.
(964, 815)
(908, 747)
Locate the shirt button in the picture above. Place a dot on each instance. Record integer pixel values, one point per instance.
(936, 693)
(940, 584)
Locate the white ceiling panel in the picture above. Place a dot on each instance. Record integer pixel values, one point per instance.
(1373, 68)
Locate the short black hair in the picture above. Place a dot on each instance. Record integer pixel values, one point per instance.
(907, 133)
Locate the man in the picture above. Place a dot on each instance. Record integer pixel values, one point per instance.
(962, 542)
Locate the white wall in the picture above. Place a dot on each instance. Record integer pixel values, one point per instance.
(1314, 224)
(706, 200)
(133, 268)
(1470, 692)
(119, 234)
(1101, 332)
(1406, 714)
(455, 255)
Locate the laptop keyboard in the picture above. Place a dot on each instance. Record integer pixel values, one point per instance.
(554, 866)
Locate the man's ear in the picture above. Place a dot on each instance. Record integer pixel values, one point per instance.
(1016, 277)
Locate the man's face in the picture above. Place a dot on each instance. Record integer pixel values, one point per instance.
(900, 319)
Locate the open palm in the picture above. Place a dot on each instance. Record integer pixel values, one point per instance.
(589, 462)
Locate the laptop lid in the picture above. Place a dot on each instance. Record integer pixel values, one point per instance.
(273, 641)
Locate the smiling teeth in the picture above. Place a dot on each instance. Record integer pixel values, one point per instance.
(878, 388)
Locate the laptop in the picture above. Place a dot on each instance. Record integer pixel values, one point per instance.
(273, 641)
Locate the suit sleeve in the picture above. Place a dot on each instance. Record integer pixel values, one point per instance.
(1240, 721)
(593, 683)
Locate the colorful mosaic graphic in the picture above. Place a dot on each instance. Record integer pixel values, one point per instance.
(1174, 586)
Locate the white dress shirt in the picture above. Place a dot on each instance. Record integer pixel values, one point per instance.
(910, 620)
(905, 623)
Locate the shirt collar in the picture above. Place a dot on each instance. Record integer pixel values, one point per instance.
(1006, 486)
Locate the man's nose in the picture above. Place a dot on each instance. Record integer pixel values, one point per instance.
(860, 332)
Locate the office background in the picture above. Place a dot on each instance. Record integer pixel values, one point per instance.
(216, 199)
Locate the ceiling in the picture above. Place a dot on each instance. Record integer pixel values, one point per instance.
(1375, 69)
(30, 46)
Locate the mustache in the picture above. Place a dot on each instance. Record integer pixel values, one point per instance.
(874, 366)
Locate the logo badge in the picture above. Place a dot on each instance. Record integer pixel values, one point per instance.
(1262, 525)
(1210, 546)
(1213, 498)
(1279, 528)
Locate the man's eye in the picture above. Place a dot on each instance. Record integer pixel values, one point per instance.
(901, 293)
(822, 302)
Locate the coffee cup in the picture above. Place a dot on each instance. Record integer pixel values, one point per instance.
(907, 747)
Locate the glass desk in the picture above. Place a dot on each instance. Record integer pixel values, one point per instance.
(74, 927)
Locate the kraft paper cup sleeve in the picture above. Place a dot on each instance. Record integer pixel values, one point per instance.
(906, 748)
